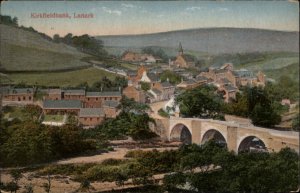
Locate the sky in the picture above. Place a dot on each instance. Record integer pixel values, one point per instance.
(140, 17)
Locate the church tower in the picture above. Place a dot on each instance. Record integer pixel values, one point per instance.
(180, 50)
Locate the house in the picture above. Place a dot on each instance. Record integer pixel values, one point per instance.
(24, 95)
(184, 60)
(150, 78)
(237, 78)
(229, 92)
(111, 108)
(54, 94)
(134, 93)
(93, 100)
(155, 95)
(192, 83)
(129, 56)
(62, 106)
(78, 94)
(166, 88)
(91, 116)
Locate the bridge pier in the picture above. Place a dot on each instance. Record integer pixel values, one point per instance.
(231, 139)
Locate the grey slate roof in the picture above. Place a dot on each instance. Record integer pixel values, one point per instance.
(54, 91)
(166, 84)
(74, 92)
(153, 77)
(4, 89)
(131, 73)
(243, 73)
(230, 88)
(111, 103)
(21, 91)
(91, 112)
(158, 92)
(201, 78)
(62, 104)
(103, 94)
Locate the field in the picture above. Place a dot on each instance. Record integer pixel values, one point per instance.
(28, 51)
(19, 58)
(62, 79)
(53, 118)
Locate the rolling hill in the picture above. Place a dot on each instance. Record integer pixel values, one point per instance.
(212, 40)
(22, 50)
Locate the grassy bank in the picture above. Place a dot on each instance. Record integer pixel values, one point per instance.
(62, 79)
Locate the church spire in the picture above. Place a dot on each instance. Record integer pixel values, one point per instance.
(180, 50)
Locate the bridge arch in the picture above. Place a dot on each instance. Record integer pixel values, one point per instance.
(180, 132)
(214, 134)
(252, 143)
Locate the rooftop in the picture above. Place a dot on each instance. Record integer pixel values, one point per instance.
(153, 77)
(111, 103)
(62, 104)
(91, 112)
(74, 92)
(20, 91)
(156, 91)
(104, 93)
(166, 84)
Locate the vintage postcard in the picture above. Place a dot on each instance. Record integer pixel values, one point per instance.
(149, 96)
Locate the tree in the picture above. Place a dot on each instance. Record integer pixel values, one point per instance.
(85, 186)
(15, 21)
(296, 123)
(145, 86)
(56, 38)
(200, 102)
(264, 115)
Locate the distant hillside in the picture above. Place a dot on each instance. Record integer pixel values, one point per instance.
(212, 40)
(23, 50)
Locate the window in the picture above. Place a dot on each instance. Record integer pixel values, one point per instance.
(91, 119)
(85, 118)
(96, 99)
(24, 98)
(98, 118)
(30, 98)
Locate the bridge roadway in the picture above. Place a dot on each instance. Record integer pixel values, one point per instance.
(237, 136)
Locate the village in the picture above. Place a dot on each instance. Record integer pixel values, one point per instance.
(92, 108)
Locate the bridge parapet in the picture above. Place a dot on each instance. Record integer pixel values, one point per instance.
(235, 133)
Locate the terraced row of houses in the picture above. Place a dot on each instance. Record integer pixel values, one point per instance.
(91, 108)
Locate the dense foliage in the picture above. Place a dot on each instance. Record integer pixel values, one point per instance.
(206, 168)
(133, 121)
(171, 76)
(84, 43)
(24, 143)
(246, 172)
(200, 102)
(258, 104)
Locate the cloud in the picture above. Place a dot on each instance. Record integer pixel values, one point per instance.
(160, 16)
(128, 5)
(193, 8)
(110, 11)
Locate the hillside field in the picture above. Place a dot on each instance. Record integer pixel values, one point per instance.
(61, 79)
(28, 51)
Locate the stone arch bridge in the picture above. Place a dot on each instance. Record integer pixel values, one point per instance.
(236, 137)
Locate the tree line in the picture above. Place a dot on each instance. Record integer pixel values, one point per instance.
(261, 105)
